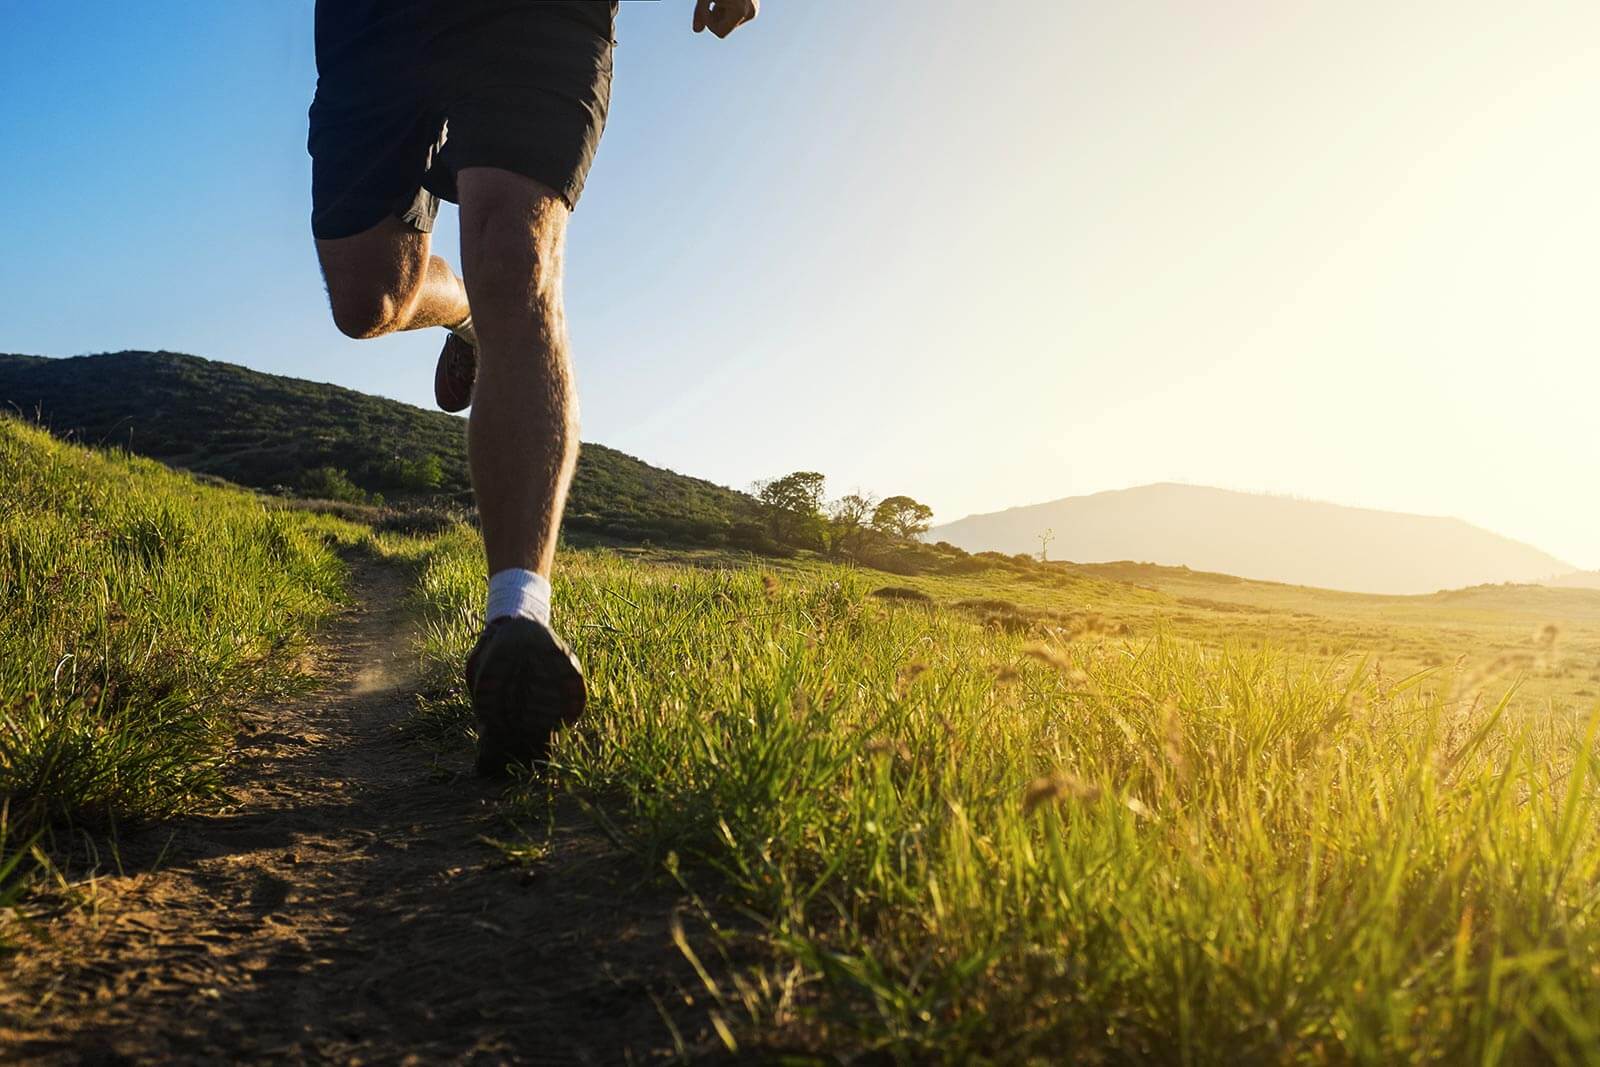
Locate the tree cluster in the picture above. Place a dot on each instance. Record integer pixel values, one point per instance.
(797, 514)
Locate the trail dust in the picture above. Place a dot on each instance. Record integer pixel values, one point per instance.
(346, 909)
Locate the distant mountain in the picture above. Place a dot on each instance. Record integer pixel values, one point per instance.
(274, 432)
(1264, 537)
(1577, 580)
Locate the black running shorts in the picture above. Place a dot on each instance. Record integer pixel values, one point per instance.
(411, 91)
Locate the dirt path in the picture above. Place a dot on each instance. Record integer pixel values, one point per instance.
(344, 910)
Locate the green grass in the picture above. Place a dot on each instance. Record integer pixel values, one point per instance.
(137, 610)
(1102, 815)
(964, 843)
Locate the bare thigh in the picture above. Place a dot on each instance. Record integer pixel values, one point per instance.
(374, 276)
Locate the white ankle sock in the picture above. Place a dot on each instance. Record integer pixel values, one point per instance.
(466, 331)
(519, 594)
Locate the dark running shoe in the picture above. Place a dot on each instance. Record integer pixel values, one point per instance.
(454, 375)
(525, 685)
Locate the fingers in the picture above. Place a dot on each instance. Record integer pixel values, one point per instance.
(722, 17)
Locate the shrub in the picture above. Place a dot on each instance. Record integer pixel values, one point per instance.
(332, 483)
(902, 592)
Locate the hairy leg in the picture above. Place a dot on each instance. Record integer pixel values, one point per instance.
(385, 280)
(522, 438)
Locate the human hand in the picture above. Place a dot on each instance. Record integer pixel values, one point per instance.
(722, 17)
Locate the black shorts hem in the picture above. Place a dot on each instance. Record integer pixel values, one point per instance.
(554, 176)
(421, 212)
(418, 212)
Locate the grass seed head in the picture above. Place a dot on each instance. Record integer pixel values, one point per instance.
(1057, 786)
(1545, 640)
(1503, 664)
(908, 675)
(1172, 740)
(1090, 626)
(1050, 656)
(881, 746)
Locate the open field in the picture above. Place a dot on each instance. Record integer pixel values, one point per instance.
(1489, 628)
(1109, 813)
(1100, 824)
(1494, 632)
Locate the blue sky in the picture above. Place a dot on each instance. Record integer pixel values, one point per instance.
(985, 254)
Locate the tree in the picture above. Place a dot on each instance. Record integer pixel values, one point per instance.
(1044, 539)
(793, 506)
(900, 516)
(847, 521)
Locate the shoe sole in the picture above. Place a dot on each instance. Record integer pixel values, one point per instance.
(526, 689)
(447, 392)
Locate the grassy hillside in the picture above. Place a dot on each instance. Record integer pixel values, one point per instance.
(993, 818)
(139, 608)
(267, 431)
(1260, 536)
(1112, 813)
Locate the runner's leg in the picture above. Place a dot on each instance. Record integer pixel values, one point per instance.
(384, 280)
(522, 439)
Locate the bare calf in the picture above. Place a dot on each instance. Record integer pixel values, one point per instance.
(522, 440)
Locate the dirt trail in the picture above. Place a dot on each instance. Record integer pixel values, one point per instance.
(344, 910)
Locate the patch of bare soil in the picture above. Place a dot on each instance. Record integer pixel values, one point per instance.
(345, 910)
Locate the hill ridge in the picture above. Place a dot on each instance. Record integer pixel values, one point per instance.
(276, 432)
(1258, 494)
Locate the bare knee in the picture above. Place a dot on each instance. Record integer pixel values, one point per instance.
(513, 236)
(364, 311)
(374, 278)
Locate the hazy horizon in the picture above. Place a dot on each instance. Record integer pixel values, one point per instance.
(1271, 494)
(1336, 253)
(1266, 537)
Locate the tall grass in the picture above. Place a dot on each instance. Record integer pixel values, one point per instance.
(137, 608)
(1089, 850)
